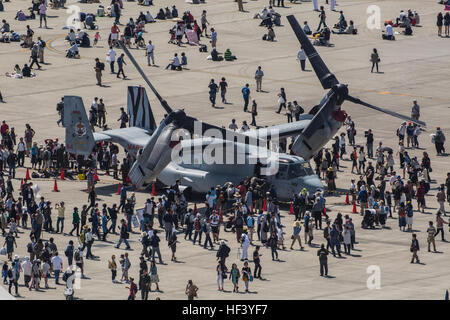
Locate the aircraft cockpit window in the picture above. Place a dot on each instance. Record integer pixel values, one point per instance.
(282, 171)
(296, 170)
(308, 169)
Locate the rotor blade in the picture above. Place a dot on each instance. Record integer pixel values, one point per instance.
(327, 79)
(392, 113)
(163, 102)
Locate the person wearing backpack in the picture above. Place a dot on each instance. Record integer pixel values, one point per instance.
(78, 256)
(189, 222)
(133, 289)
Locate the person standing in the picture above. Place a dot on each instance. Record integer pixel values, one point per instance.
(34, 56)
(246, 95)
(257, 262)
(99, 67)
(439, 23)
(234, 276)
(254, 113)
(246, 275)
(322, 17)
(431, 234)
(301, 56)
(213, 38)
(150, 53)
(440, 225)
(145, 285)
(415, 110)
(375, 59)
(43, 14)
(296, 235)
(439, 139)
(124, 235)
(212, 92)
(281, 100)
(154, 278)
(191, 290)
(112, 58)
(322, 253)
(245, 243)
(204, 22)
(415, 248)
(259, 74)
(223, 89)
(133, 289)
(120, 63)
(57, 264)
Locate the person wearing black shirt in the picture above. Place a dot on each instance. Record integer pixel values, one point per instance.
(212, 92)
(256, 260)
(322, 253)
(369, 143)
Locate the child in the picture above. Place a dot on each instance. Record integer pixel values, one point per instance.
(96, 38)
(13, 226)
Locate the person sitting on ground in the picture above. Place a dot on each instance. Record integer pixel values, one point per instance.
(215, 55)
(388, 33)
(342, 24)
(324, 37)
(168, 13)
(20, 16)
(72, 52)
(5, 26)
(17, 73)
(183, 59)
(161, 15)
(306, 28)
(270, 36)
(401, 17)
(26, 71)
(90, 18)
(71, 37)
(175, 63)
(149, 18)
(267, 22)
(261, 15)
(228, 55)
(141, 18)
(350, 29)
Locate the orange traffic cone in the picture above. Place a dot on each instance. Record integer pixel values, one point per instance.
(55, 187)
(21, 184)
(118, 188)
(291, 210)
(264, 205)
(347, 200)
(195, 208)
(354, 207)
(154, 189)
(27, 177)
(62, 174)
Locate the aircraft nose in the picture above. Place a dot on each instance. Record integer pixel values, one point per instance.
(312, 183)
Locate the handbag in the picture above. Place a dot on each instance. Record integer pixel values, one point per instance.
(251, 278)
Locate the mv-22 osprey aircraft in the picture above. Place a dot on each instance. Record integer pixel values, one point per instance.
(176, 148)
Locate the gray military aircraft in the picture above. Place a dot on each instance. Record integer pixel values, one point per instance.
(202, 155)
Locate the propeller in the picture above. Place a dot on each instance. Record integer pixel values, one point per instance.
(392, 113)
(328, 79)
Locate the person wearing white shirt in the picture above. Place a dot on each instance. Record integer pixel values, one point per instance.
(111, 58)
(245, 242)
(301, 56)
(57, 266)
(20, 153)
(26, 267)
(150, 50)
(245, 127)
(233, 126)
(175, 64)
(389, 33)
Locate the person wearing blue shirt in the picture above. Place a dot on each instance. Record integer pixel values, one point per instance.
(246, 96)
(183, 59)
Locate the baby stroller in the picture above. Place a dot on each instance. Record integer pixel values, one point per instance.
(368, 220)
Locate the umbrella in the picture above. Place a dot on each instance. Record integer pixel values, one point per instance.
(387, 149)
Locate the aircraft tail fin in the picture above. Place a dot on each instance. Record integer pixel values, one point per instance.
(79, 137)
(139, 109)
